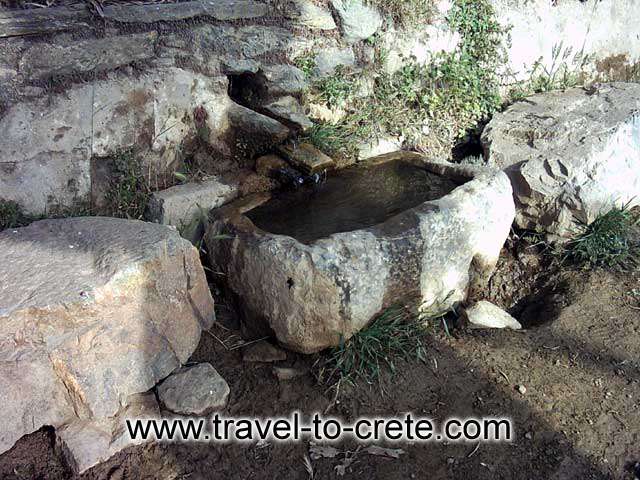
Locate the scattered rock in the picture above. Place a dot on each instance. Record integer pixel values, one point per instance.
(288, 373)
(307, 13)
(327, 60)
(570, 154)
(185, 206)
(306, 157)
(86, 443)
(266, 164)
(194, 390)
(521, 389)
(357, 20)
(263, 352)
(92, 311)
(289, 111)
(486, 315)
(45, 60)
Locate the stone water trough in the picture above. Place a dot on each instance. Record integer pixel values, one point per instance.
(316, 265)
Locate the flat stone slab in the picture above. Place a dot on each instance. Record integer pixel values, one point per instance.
(571, 154)
(287, 109)
(92, 311)
(194, 390)
(185, 206)
(307, 158)
(44, 60)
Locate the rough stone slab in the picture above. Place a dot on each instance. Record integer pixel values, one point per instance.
(263, 352)
(313, 296)
(110, 306)
(282, 80)
(158, 12)
(44, 60)
(310, 15)
(306, 157)
(570, 154)
(183, 206)
(288, 110)
(357, 20)
(487, 315)
(42, 20)
(86, 443)
(254, 128)
(195, 390)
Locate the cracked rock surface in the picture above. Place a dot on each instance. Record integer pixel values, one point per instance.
(92, 311)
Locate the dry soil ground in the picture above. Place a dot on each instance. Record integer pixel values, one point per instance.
(579, 361)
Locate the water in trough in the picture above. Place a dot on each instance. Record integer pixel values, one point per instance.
(351, 199)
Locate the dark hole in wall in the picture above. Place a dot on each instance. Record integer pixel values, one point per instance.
(245, 90)
(469, 146)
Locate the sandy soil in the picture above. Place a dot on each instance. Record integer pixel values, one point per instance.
(579, 361)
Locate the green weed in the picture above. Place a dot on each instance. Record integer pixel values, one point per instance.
(610, 241)
(395, 334)
(430, 106)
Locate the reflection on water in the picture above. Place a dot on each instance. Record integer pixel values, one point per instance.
(351, 199)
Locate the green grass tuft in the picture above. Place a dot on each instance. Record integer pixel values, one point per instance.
(395, 334)
(610, 241)
(11, 215)
(129, 192)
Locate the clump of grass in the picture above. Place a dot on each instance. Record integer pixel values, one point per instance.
(395, 334)
(610, 241)
(406, 12)
(564, 72)
(12, 216)
(129, 192)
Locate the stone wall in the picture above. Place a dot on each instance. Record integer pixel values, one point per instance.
(166, 83)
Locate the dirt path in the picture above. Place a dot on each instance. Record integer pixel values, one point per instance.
(578, 419)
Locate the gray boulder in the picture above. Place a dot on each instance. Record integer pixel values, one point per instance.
(570, 155)
(312, 295)
(357, 20)
(194, 390)
(92, 311)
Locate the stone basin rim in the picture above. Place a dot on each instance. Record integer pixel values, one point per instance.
(234, 212)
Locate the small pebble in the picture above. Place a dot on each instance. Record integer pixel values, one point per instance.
(522, 389)
(528, 435)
